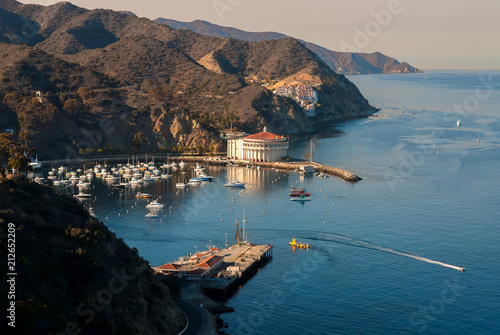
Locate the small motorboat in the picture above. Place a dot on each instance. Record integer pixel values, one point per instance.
(151, 215)
(82, 195)
(35, 164)
(183, 183)
(297, 189)
(204, 177)
(235, 183)
(39, 180)
(141, 195)
(199, 168)
(82, 184)
(155, 205)
(136, 181)
(91, 212)
(302, 197)
(298, 194)
(296, 244)
(194, 182)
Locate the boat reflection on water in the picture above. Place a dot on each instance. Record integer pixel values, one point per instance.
(256, 179)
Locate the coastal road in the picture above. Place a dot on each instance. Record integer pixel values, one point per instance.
(199, 319)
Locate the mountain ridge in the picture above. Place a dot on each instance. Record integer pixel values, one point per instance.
(341, 62)
(153, 88)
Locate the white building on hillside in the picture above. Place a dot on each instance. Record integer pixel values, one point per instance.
(261, 147)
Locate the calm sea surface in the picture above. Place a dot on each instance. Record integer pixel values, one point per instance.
(430, 192)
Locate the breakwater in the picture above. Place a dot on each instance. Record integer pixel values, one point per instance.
(344, 174)
(216, 160)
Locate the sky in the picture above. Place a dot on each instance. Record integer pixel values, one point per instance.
(428, 34)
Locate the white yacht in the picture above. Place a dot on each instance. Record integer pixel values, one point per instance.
(235, 183)
(35, 164)
(193, 182)
(81, 195)
(155, 205)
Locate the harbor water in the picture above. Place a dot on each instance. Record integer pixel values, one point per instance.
(385, 252)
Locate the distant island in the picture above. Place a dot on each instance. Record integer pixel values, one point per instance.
(340, 62)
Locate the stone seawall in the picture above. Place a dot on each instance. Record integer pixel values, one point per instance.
(294, 165)
(344, 174)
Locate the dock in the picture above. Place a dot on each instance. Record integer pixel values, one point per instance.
(221, 161)
(239, 264)
(344, 174)
(220, 272)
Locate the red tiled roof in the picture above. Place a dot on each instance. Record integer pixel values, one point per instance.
(168, 266)
(208, 263)
(196, 271)
(267, 136)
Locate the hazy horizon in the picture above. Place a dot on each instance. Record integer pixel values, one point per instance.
(451, 34)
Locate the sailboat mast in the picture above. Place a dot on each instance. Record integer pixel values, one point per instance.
(244, 233)
(311, 151)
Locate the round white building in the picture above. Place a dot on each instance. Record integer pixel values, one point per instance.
(261, 147)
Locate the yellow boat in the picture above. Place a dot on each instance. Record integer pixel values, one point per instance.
(296, 244)
(140, 195)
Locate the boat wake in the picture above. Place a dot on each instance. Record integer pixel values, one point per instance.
(348, 240)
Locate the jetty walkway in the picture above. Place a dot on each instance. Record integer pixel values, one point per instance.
(344, 174)
(292, 165)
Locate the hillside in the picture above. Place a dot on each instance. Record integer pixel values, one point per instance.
(341, 62)
(115, 83)
(213, 30)
(73, 273)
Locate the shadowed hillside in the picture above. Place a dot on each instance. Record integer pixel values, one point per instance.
(73, 273)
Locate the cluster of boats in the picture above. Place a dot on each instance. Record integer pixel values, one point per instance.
(299, 194)
(121, 176)
(124, 175)
(200, 178)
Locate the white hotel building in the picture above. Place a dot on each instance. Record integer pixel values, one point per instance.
(261, 147)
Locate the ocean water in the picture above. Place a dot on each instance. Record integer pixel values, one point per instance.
(384, 251)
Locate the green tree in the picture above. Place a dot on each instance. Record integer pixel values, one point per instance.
(72, 105)
(19, 162)
(6, 144)
(85, 93)
(139, 141)
(15, 151)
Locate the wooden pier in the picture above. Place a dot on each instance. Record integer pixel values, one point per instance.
(239, 264)
(220, 272)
